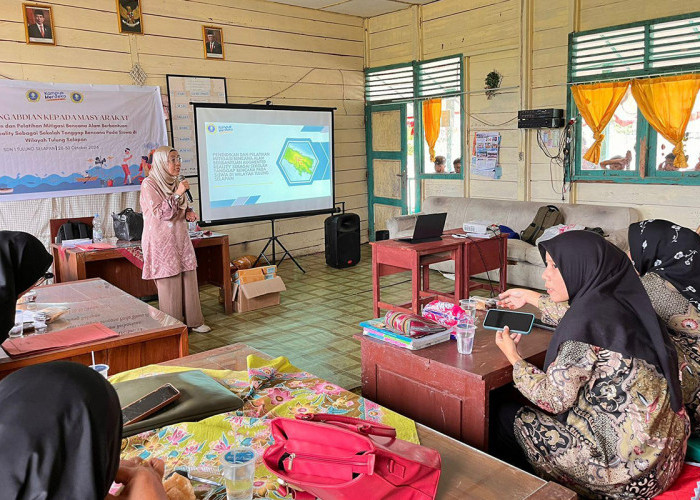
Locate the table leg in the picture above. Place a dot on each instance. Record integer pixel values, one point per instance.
(466, 276)
(375, 282)
(415, 284)
(458, 256)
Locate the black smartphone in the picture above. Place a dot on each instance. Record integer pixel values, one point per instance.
(545, 326)
(518, 322)
(149, 404)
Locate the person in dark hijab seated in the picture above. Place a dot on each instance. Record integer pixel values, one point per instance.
(667, 258)
(609, 419)
(23, 262)
(60, 429)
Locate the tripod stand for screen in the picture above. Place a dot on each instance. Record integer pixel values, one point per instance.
(272, 240)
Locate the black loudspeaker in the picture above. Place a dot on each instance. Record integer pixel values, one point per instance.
(342, 240)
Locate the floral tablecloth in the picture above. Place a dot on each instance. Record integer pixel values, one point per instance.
(270, 388)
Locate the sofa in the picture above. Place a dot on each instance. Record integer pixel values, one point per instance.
(525, 264)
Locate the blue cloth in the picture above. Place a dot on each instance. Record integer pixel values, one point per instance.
(512, 235)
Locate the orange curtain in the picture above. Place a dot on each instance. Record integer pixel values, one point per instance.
(597, 103)
(667, 103)
(432, 111)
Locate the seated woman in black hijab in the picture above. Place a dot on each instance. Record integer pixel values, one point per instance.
(23, 262)
(610, 421)
(60, 423)
(667, 258)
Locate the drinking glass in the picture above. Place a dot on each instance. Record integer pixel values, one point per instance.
(465, 337)
(239, 470)
(469, 306)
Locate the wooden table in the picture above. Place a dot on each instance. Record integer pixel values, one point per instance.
(146, 335)
(213, 266)
(483, 255)
(467, 473)
(394, 256)
(471, 256)
(441, 388)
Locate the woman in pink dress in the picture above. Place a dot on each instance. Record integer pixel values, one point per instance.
(168, 255)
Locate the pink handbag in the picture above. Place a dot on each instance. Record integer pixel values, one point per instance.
(342, 458)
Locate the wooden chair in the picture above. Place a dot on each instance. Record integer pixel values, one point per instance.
(54, 226)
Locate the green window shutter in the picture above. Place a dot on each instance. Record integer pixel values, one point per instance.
(609, 53)
(674, 43)
(439, 77)
(389, 84)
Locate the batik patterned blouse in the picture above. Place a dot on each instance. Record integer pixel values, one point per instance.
(615, 436)
(683, 322)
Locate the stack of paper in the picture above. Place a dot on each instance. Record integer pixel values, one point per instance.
(376, 328)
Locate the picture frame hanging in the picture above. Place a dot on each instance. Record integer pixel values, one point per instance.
(130, 16)
(38, 24)
(213, 39)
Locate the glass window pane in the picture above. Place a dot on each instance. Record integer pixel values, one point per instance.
(663, 160)
(449, 143)
(618, 147)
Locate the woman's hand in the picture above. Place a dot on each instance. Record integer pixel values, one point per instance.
(191, 216)
(182, 187)
(141, 480)
(508, 343)
(515, 298)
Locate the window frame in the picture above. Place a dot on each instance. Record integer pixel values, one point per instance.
(417, 100)
(647, 137)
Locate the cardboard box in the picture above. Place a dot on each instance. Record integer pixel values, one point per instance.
(258, 294)
(243, 276)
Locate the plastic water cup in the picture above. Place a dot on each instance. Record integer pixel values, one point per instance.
(18, 329)
(192, 226)
(238, 468)
(465, 338)
(101, 369)
(469, 306)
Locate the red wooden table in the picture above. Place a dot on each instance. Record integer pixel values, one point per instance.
(441, 388)
(213, 267)
(482, 255)
(393, 256)
(471, 255)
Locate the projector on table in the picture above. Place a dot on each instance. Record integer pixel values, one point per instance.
(479, 227)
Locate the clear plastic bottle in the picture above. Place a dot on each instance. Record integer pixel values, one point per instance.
(97, 234)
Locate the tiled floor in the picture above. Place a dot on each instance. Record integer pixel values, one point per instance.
(318, 316)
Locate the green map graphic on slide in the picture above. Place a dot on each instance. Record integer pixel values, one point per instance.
(302, 163)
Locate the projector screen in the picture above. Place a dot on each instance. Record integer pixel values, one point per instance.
(263, 162)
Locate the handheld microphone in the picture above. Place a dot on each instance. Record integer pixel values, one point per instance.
(181, 178)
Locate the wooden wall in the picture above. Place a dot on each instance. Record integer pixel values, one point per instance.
(298, 56)
(526, 41)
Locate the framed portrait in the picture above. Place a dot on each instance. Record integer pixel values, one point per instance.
(38, 24)
(213, 39)
(130, 18)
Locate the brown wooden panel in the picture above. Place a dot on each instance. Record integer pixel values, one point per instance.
(419, 401)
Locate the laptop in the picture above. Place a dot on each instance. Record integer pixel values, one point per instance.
(428, 227)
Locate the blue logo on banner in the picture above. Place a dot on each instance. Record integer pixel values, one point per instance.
(76, 97)
(211, 129)
(33, 96)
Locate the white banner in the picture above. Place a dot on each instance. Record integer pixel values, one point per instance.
(64, 140)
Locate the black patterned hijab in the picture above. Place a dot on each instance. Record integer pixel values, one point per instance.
(669, 250)
(60, 429)
(23, 260)
(609, 307)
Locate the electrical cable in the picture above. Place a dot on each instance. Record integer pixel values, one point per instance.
(483, 263)
(561, 158)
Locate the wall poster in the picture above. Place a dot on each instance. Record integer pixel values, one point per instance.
(183, 90)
